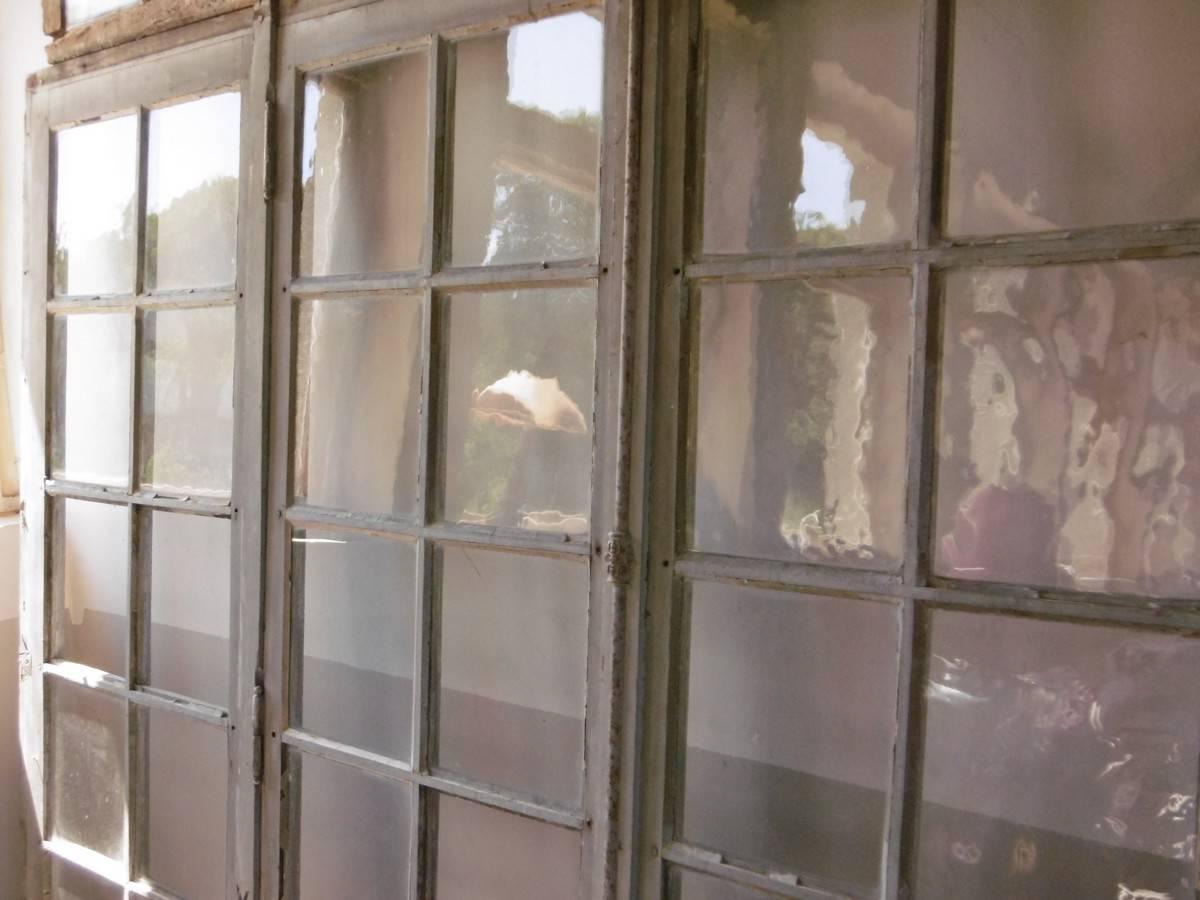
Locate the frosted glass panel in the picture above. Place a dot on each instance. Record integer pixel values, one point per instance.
(92, 399)
(801, 420)
(93, 619)
(357, 406)
(95, 218)
(527, 112)
(365, 167)
(810, 132)
(192, 193)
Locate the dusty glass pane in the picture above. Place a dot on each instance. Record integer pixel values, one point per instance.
(80, 11)
(1057, 755)
(518, 400)
(87, 780)
(358, 601)
(95, 217)
(68, 882)
(357, 406)
(1069, 427)
(513, 671)
(93, 619)
(365, 167)
(483, 852)
(790, 725)
(800, 420)
(354, 833)
(92, 373)
(187, 796)
(687, 885)
(810, 135)
(1072, 114)
(190, 586)
(192, 193)
(187, 401)
(527, 112)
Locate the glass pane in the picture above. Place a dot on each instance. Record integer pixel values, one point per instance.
(1056, 755)
(358, 394)
(800, 420)
(187, 797)
(1075, 113)
(1068, 427)
(93, 620)
(687, 885)
(789, 731)
(810, 135)
(92, 374)
(187, 401)
(190, 585)
(527, 112)
(483, 852)
(519, 408)
(354, 833)
(80, 11)
(87, 780)
(68, 882)
(358, 599)
(513, 671)
(192, 193)
(365, 167)
(95, 218)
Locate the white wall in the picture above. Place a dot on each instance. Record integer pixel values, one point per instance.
(21, 43)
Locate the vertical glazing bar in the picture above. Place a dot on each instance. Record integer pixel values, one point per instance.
(933, 97)
(143, 139)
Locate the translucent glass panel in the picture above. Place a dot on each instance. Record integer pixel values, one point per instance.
(188, 788)
(527, 114)
(1056, 755)
(483, 852)
(365, 166)
(95, 217)
(80, 11)
(190, 584)
(192, 193)
(87, 780)
(513, 671)
(357, 406)
(357, 601)
(1068, 427)
(354, 833)
(187, 401)
(518, 401)
(791, 711)
(68, 882)
(93, 365)
(694, 886)
(1096, 101)
(92, 623)
(800, 415)
(810, 134)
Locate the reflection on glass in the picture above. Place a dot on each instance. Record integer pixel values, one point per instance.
(1069, 427)
(790, 726)
(800, 420)
(364, 167)
(483, 852)
(358, 389)
(358, 601)
(187, 401)
(1031, 150)
(694, 886)
(354, 833)
(189, 605)
(192, 193)
(810, 135)
(95, 216)
(527, 111)
(87, 781)
(80, 11)
(518, 401)
(68, 882)
(92, 373)
(187, 796)
(513, 666)
(93, 619)
(1057, 755)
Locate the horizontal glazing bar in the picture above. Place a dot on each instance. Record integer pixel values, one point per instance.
(782, 884)
(164, 300)
(476, 278)
(102, 867)
(385, 767)
(774, 573)
(77, 491)
(150, 698)
(86, 676)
